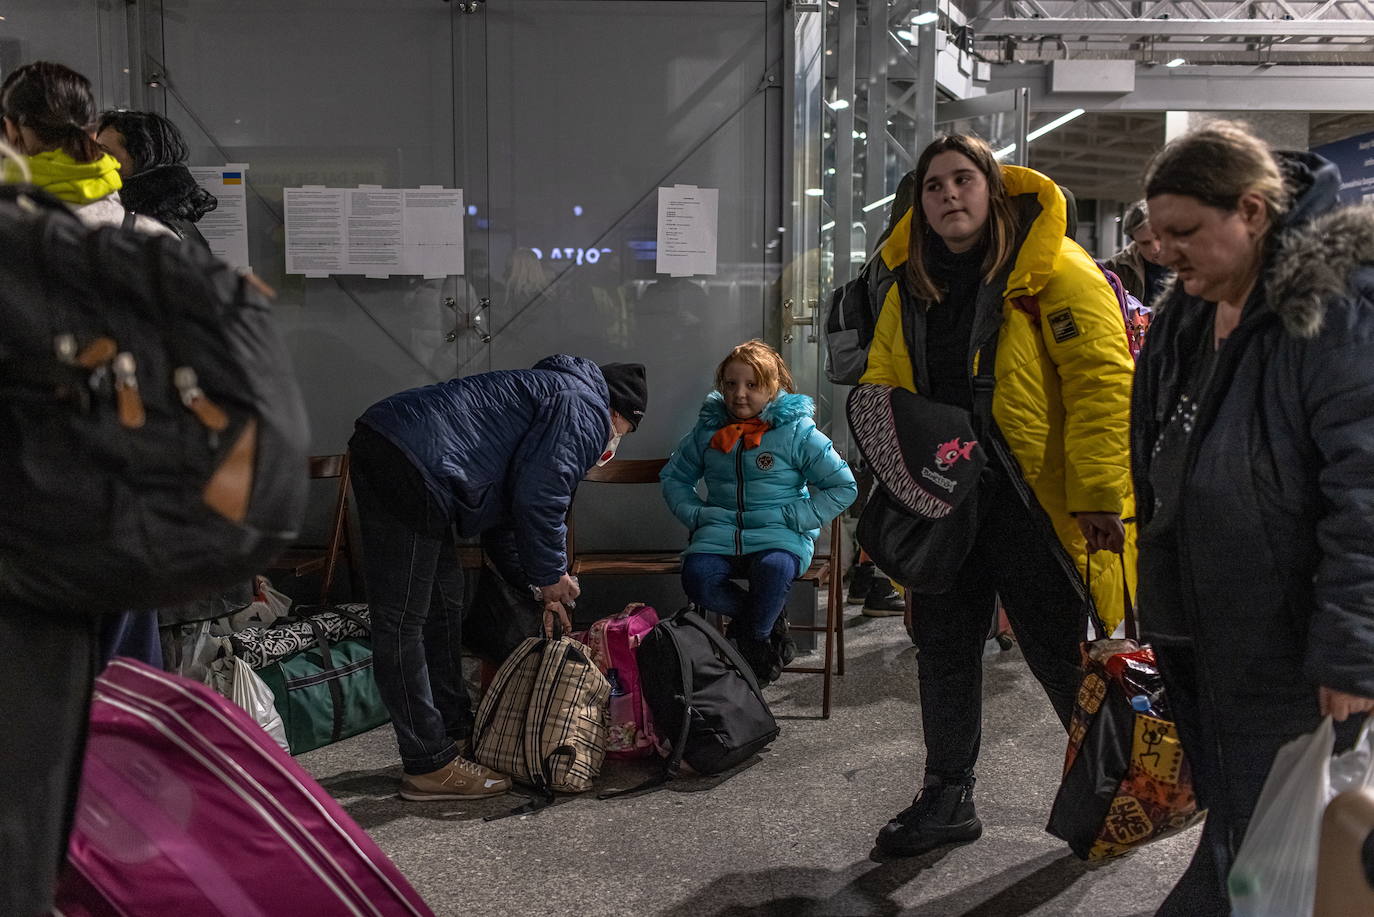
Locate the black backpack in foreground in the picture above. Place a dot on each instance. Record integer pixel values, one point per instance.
(154, 445)
(703, 695)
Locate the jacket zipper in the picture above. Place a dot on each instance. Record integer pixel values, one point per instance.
(739, 497)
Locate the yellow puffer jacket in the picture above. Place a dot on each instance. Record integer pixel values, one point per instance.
(1063, 385)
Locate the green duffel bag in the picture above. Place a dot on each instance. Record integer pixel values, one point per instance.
(325, 693)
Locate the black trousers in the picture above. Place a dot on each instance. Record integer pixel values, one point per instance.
(415, 594)
(1010, 558)
(49, 665)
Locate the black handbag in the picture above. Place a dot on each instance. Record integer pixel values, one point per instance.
(501, 617)
(921, 553)
(921, 519)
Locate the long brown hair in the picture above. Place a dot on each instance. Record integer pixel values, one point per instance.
(55, 102)
(1001, 225)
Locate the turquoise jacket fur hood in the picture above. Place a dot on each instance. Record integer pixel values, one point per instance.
(757, 499)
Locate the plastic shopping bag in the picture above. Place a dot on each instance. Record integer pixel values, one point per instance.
(1275, 873)
(252, 694)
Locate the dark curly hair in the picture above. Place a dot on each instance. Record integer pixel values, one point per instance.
(151, 139)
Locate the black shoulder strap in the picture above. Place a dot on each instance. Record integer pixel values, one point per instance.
(129, 218)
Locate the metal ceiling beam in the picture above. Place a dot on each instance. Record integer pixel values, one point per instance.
(1219, 28)
(1217, 87)
(1119, 48)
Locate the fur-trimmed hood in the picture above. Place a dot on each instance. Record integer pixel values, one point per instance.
(1315, 251)
(786, 408)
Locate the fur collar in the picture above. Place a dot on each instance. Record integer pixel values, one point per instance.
(785, 409)
(168, 192)
(1312, 264)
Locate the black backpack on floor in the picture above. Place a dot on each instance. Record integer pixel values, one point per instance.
(154, 440)
(703, 696)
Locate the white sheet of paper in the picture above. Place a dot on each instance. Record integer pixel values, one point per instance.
(226, 227)
(315, 231)
(374, 231)
(687, 230)
(433, 232)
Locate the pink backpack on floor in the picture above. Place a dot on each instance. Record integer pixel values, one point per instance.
(613, 642)
(188, 808)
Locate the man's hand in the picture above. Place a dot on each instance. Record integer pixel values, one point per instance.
(1102, 531)
(556, 611)
(1339, 705)
(565, 591)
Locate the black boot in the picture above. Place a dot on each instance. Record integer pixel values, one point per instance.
(883, 600)
(784, 647)
(860, 579)
(761, 658)
(941, 814)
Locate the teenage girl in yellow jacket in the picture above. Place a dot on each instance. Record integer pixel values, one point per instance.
(983, 255)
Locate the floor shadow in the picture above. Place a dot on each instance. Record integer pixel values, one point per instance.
(801, 891)
(1047, 882)
(868, 888)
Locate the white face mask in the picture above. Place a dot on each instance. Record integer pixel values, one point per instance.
(609, 452)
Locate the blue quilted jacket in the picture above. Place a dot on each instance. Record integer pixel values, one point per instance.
(506, 448)
(757, 499)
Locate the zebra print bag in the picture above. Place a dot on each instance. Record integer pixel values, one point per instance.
(262, 646)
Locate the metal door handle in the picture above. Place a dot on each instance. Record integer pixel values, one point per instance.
(790, 320)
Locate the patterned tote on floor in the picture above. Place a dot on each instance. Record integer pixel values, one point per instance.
(544, 719)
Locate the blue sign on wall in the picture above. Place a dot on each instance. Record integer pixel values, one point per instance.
(1354, 156)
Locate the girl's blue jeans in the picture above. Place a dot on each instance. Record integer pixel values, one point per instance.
(708, 580)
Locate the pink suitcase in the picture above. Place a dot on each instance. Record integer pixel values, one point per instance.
(188, 807)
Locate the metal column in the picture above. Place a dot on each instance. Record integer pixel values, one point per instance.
(840, 244)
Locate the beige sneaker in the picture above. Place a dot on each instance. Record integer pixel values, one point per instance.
(459, 779)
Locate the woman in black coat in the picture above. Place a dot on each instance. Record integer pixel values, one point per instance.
(152, 162)
(1253, 453)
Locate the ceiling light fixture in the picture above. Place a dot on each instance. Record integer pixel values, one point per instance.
(1040, 132)
(880, 202)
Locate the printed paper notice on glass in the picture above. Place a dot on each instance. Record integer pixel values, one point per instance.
(687, 228)
(226, 227)
(374, 231)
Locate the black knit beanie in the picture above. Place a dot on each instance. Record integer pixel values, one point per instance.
(629, 390)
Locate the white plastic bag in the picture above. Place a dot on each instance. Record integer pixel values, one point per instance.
(1275, 873)
(252, 694)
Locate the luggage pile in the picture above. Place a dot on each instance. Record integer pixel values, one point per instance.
(559, 706)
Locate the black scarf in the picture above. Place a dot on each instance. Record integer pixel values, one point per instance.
(167, 192)
(949, 322)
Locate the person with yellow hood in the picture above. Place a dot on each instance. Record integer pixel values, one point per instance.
(50, 116)
(982, 271)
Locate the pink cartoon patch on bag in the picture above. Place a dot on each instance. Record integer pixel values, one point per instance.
(946, 454)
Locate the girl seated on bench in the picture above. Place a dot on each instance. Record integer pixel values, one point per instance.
(758, 449)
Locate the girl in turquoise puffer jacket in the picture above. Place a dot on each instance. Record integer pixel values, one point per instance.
(758, 449)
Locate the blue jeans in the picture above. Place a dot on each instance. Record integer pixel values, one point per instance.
(708, 580)
(415, 595)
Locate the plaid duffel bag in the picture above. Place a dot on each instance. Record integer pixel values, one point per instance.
(544, 719)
